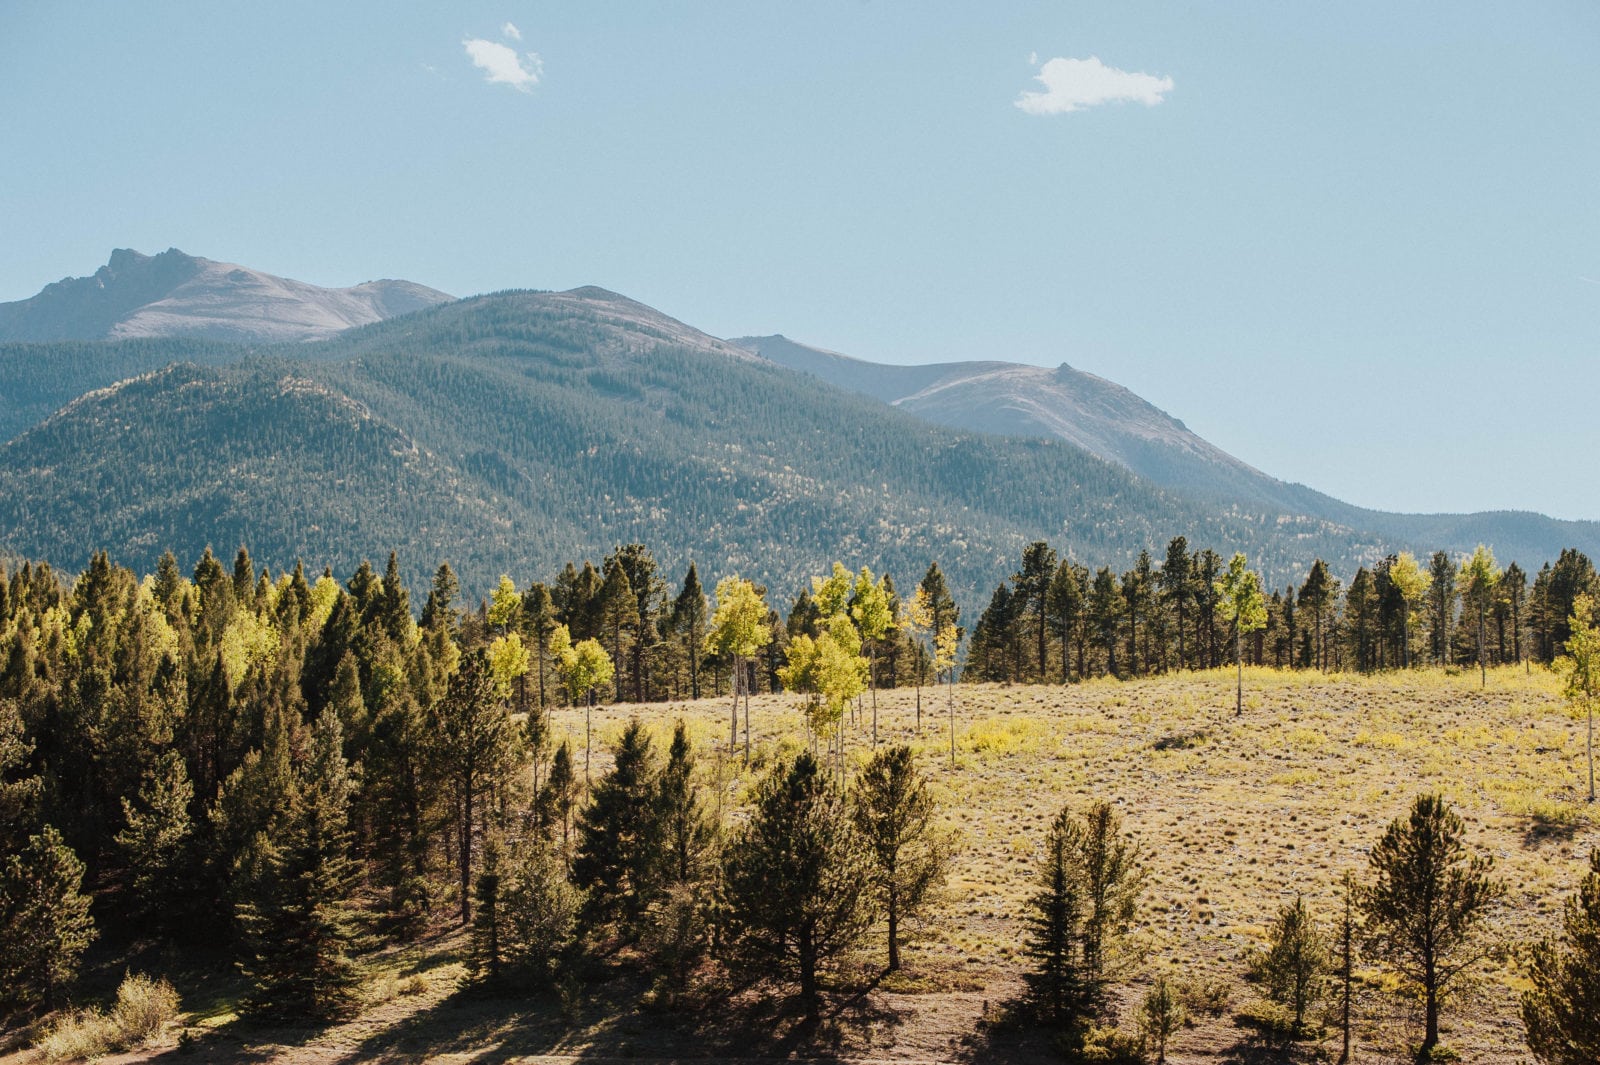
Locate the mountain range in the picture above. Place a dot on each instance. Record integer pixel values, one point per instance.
(513, 431)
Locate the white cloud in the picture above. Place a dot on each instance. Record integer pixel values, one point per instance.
(503, 66)
(510, 32)
(1077, 84)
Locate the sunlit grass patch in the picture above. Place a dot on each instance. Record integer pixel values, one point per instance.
(1005, 735)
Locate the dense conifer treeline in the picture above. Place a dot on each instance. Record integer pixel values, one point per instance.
(1057, 620)
(298, 768)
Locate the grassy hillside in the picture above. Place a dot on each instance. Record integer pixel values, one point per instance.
(1237, 816)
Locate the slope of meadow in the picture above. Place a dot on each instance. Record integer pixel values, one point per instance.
(1237, 815)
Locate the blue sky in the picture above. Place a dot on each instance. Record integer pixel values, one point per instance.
(1357, 245)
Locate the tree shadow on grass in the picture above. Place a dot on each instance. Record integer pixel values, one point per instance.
(1011, 1034)
(1543, 830)
(610, 1022)
(1263, 1043)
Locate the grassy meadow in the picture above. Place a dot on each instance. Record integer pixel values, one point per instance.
(1237, 815)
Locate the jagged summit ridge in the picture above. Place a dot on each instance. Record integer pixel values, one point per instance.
(175, 294)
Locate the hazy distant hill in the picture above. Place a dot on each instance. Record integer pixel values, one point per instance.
(173, 294)
(514, 431)
(1113, 423)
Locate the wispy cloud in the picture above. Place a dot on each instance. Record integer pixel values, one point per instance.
(502, 65)
(510, 32)
(1078, 84)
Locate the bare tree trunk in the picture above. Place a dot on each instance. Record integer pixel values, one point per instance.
(872, 682)
(466, 852)
(950, 691)
(1483, 670)
(733, 730)
(1238, 657)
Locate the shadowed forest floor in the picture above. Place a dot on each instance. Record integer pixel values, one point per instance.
(1237, 815)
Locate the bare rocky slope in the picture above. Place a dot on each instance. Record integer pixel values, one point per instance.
(178, 295)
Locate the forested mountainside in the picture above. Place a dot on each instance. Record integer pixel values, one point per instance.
(509, 431)
(36, 380)
(173, 294)
(1113, 423)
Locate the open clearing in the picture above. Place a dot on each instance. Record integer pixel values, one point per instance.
(1237, 816)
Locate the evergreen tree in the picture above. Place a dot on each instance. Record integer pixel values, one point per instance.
(1176, 581)
(619, 616)
(1066, 604)
(1441, 604)
(1137, 597)
(942, 609)
(439, 611)
(44, 920)
(649, 590)
(1031, 584)
(1318, 595)
(1361, 614)
(1054, 922)
(1571, 576)
(795, 877)
(1562, 1008)
(1089, 886)
(910, 855)
(804, 617)
(1479, 578)
(994, 640)
(1105, 614)
(158, 844)
(541, 910)
(394, 613)
(1161, 1014)
(560, 793)
(19, 790)
(473, 730)
(688, 833)
(689, 619)
(621, 840)
(400, 799)
(301, 925)
(1425, 902)
(539, 621)
(1293, 967)
(488, 919)
(1205, 570)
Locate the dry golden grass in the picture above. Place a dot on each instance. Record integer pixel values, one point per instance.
(1237, 815)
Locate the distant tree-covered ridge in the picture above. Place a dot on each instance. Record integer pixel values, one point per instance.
(513, 431)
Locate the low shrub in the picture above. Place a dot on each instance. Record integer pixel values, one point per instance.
(144, 1007)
